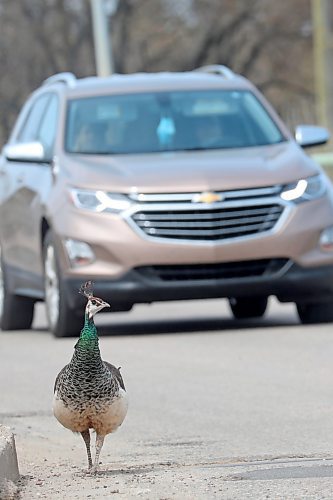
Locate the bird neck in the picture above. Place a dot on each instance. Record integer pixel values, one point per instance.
(88, 340)
(87, 355)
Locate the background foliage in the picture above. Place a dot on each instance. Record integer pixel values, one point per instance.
(267, 41)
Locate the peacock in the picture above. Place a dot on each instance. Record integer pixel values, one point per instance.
(89, 393)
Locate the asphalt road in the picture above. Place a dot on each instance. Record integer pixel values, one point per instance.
(218, 408)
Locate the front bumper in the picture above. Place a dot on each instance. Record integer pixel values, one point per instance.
(291, 283)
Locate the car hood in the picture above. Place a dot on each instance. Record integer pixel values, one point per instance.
(190, 171)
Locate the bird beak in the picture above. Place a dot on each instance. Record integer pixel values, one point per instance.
(105, 304)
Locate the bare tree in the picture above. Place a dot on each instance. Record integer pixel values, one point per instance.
(37, 39)
(268, 41)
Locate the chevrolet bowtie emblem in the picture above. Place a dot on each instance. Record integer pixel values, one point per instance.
(207, 197)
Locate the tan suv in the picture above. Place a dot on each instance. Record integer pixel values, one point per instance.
(161, 187)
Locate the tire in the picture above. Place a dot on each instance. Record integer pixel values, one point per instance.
(247, 307)
(16, 311)
(314, 313)
(63, 320)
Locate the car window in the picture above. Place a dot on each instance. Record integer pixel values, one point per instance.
(259, 120)
(168, 121)
(31, 125)
(47, 130)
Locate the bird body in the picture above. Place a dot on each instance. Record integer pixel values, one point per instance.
(89, 393)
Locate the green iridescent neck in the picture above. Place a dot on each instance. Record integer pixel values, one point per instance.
(89, 331)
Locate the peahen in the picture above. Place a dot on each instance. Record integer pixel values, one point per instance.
(89, 393)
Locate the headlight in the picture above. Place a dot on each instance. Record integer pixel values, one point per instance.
(99, 201)
(304, 189)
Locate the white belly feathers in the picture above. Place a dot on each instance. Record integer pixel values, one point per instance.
(104, 419)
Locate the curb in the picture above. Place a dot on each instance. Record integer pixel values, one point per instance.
(9, 472)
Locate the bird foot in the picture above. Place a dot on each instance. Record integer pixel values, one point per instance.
(92, 471)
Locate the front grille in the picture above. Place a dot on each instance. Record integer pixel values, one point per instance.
(221, 271)
(209, 223)
(182, 216)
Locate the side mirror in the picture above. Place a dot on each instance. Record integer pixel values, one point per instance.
(311, 135)
(25, 152)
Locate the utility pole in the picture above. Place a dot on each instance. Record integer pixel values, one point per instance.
(322, 17)
(102, 40)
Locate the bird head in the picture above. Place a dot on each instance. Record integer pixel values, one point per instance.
(94, 304)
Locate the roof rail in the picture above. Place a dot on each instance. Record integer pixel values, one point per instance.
(217, 69)
(67, 78)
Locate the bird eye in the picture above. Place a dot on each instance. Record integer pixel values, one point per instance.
(93, 302)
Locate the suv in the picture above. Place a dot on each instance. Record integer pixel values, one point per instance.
(159, 187)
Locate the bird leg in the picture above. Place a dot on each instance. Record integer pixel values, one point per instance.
(86, 437)
(99, 444)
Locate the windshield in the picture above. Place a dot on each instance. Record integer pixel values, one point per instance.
(168, 121)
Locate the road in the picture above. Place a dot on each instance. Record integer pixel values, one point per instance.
(218, 408)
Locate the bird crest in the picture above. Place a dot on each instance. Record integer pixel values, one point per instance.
(87, 289)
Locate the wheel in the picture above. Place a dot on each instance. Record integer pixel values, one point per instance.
(248, 307)
(63, 321)
(16, 311)
(321, 312)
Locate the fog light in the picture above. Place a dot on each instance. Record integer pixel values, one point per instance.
(326, 240)
(79, 253)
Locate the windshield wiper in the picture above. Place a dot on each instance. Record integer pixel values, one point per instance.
(106, 152)
(202, 148)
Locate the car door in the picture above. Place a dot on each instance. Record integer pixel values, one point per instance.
(26, 184)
